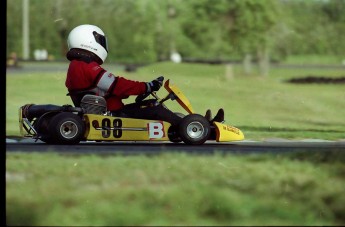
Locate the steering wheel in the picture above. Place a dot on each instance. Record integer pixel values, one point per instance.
(141, 97)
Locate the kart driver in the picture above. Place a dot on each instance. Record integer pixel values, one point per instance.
(88, 50)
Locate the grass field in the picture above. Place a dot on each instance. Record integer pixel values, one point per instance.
(184, 189)
(175, 189)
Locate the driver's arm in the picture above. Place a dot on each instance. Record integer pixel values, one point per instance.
(124, 87)
(108, 84)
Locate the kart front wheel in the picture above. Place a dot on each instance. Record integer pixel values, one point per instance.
(194, 129)
(66, 128)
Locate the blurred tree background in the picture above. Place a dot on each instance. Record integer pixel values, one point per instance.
(146, 31)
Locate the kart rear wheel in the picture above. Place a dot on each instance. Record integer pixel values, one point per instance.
(194, 129)
(42, 127)
(66, 128)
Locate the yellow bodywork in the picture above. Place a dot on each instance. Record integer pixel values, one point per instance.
(180, 97)
(226, 133)
(104, 128)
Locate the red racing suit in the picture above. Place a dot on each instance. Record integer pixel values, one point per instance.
(82, 76)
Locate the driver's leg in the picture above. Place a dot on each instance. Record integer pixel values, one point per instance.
(151, 113)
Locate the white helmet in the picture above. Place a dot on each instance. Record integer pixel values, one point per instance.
(90, 38)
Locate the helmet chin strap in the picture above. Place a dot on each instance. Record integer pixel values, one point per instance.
(82, 55)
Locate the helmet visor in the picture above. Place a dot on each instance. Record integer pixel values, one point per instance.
(101, 39)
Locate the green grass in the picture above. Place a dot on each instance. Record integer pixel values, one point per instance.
(181, 189)
(175, 189)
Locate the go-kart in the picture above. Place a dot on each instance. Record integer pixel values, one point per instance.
(67, 124)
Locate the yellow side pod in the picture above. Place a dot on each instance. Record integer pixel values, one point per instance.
(226, 133)
(109, 128)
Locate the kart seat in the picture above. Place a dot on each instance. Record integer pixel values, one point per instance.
(77, 96)
(89, 101)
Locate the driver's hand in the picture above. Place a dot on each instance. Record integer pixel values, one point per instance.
(154, 85)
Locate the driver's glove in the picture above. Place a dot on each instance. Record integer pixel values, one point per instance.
(154, 85)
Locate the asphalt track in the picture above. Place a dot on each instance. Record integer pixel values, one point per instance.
(152, 148)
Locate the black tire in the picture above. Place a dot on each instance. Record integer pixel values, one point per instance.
(42, 127)
(194, 129)
(66, 128)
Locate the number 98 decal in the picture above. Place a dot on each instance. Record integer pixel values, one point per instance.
(116, 131)
(113, 128)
